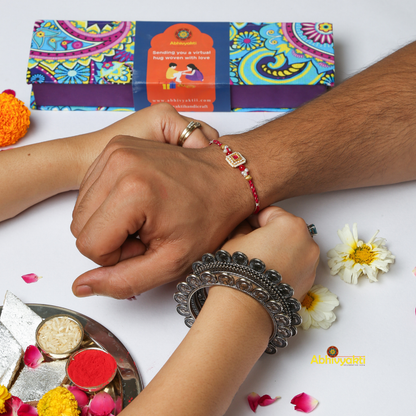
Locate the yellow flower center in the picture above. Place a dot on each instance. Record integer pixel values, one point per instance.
(307, 302)
(363, 255)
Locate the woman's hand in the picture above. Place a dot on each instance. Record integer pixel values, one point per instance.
(160, 122)
(232, 331)
(283, 242)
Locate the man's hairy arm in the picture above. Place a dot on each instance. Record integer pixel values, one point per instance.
(184, 202)
(362, 133)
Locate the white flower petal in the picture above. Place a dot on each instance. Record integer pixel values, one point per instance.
(328, 322)
(306, 318)
(346, 237)
(317, 315)
(344, 258)
(355, 232)
(320, 314)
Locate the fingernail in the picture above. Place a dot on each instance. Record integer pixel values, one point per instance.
(83, 291)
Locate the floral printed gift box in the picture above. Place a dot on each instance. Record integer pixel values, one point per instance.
(108, 65)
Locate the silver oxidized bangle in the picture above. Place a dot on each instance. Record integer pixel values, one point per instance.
(250, 277)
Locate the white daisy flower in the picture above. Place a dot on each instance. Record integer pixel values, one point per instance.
(354, 257)
(317, 308)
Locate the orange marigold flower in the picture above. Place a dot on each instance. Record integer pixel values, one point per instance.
(14, 119)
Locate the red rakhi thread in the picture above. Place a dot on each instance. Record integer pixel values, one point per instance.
(236, 159)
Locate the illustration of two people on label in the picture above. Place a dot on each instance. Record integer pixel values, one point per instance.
(192, 73)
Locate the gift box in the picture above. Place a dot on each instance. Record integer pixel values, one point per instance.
(195, 66)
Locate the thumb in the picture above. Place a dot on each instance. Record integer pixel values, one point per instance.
(127, 278)
(268, 216)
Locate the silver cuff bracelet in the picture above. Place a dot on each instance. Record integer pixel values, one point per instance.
(250, 277)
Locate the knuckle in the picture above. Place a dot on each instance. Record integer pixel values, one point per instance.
(120, 157)
(114, 143)
(132, 184)
(83, 246)
(74, 229)
(164, 107)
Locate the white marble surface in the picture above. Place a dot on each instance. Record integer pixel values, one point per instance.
(375, 320)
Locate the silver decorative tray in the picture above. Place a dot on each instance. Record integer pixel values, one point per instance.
(127, 384)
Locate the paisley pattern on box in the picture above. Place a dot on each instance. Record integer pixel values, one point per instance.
(81, 52)
(281, 54)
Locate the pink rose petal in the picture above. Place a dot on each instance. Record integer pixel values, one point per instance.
(27, 410)
(33, 357)
(85, 411)
(80, 396)
(266, 400)
(102, 404)
(414, 271)
(304, 403)
(31, 278)
(118, 406)
(15, 407)
(12, 406)
(11, 92)
(253, 401)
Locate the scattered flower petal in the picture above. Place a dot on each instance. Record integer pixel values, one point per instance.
(266, 400)
(27, 410)
(414, 271)
(317, 308)
(80, 396)
(33, 357)
(132, 298)
(15, 407)
(11, 92)
(253, 401)
(304, 403)
(354, 258)
(102, 404)
(85, 411)
(31, 278)
(118, 406)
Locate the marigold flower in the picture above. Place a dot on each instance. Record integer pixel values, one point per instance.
(14, 119)
(58, 401)
(4, 395)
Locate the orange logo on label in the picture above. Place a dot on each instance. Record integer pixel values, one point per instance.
(181, 69)
(183, 34)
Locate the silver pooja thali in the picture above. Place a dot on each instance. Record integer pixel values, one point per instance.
(127, 384)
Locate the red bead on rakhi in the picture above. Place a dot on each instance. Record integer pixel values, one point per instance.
(236, 159)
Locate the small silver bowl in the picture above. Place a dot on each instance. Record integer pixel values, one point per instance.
(61, 354)
(90, 389)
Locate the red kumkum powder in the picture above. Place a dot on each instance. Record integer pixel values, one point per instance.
(91, 368)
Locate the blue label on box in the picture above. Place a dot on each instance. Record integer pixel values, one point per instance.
(183, 64)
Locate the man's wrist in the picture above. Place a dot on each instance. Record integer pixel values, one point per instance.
(268, 170)
(234, 188)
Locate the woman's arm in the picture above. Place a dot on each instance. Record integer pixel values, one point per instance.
(232, 330)
(30, 174)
